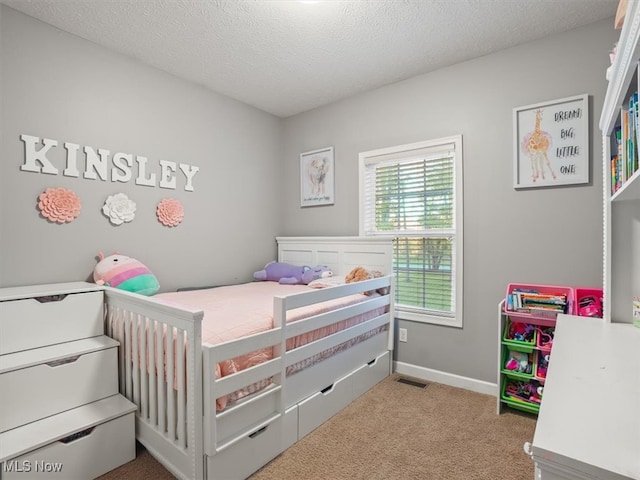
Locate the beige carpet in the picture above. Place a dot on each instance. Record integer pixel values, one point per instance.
(398, 431)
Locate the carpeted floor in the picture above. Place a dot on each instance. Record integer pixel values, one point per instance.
(397, 431)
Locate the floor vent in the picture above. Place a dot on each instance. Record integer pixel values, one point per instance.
(413, 383)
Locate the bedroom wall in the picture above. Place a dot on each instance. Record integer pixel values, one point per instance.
(62, 87)
(56, 85)
(546, 236)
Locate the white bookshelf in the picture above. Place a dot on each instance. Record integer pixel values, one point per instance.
(621, 210)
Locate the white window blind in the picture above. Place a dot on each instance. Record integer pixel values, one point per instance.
(412, 194)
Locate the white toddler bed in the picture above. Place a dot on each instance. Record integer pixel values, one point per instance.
(200, 423)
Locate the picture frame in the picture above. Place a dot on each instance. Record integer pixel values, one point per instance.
(551, 143)
(317, 177)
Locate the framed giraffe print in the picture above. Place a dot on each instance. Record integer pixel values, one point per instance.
(551, 143)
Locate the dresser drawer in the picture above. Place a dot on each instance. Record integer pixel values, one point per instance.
(84, 455)
(39, 321)
(31, 393)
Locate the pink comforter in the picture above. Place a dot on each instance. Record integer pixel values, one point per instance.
(236, 311)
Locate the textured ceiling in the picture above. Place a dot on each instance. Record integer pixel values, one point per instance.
(289, 56)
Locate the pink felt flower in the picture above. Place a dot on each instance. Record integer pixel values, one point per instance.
(170, 212)
(59, 205)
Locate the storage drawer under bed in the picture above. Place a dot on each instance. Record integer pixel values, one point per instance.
(38, 383)
(244, 457)
(370, 374)
(319, 407)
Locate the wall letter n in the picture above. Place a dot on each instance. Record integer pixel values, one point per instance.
(31, 155)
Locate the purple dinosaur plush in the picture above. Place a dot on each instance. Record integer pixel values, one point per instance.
(287, 274)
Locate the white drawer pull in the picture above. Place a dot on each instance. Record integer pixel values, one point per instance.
(372, 362)
(63, 361)
(258, 432)
(77, 436)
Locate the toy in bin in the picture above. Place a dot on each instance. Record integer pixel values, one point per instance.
(543, 365)
(530, 391)
(590, 306)
(589, 302)
(519, 362)
(521, 332)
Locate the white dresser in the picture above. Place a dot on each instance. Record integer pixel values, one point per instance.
(589, 422)
(61, 416)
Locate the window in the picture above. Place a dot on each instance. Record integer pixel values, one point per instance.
(413, 193)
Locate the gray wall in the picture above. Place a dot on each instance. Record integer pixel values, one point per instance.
(546, 236)
(59, 86)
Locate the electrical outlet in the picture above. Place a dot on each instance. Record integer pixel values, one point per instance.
(403, 334)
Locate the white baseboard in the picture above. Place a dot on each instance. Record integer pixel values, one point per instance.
(445, 378)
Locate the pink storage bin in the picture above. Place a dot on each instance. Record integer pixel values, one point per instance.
(544, 339)
(537, 316)
(542, 364)
(588, 302)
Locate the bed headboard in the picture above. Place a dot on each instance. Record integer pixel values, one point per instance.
(341, 254)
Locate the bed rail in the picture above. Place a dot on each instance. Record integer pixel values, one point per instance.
(269, 405)
(169, 399)
(222, 429)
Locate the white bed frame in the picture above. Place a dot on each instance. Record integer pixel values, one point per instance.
(180, 426)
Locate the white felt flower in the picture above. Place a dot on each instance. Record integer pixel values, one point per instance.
(119, 208)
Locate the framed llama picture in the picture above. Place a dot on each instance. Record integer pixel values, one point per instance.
(551, 143)
(317, 177)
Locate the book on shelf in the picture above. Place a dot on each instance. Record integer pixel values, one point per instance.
(632, 139)
(545, 312)
(633, 166)
(625, 158)
(534, 302)
(616, 161)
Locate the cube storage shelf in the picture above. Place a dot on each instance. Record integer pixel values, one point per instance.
(526, 330)
(526, 339)
(521, 389)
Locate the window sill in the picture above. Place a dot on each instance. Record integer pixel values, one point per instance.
(430, 319)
